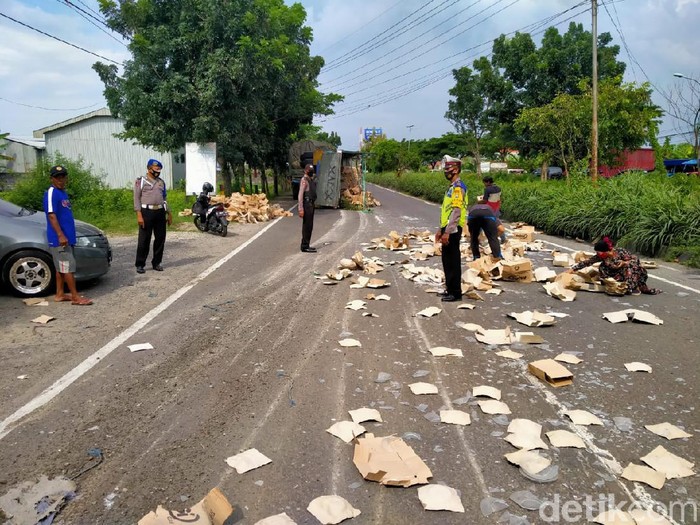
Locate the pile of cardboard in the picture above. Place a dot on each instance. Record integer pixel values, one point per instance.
(352, 191)
(246, 208)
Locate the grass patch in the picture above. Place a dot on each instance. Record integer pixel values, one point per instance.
(650, 213)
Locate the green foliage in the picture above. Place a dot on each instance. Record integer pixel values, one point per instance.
(684, 150)
(29, 189)
(311, 132)
(649, 213)
(557, 66)
(430, 150)
(391, 155)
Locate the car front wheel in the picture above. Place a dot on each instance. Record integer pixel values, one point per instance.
(29, 273)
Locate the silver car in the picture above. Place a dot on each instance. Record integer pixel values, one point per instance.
(26, 265)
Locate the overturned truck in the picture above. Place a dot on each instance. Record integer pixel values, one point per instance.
(339, 173)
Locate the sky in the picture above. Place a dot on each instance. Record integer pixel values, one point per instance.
(391, 59)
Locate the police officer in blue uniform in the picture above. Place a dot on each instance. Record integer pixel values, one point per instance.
(152, 214)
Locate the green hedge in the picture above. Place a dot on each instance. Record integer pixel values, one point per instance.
(648, 213)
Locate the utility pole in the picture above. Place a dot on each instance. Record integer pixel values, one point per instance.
(594, 124)
(410, 128)
(696, 128)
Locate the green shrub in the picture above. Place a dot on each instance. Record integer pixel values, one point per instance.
(30, 188)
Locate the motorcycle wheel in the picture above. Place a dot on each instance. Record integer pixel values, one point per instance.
(222, 229)
(198, 223)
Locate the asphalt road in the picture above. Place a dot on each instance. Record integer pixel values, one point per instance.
(247, 356)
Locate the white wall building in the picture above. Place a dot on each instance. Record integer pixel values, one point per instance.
(92, 137)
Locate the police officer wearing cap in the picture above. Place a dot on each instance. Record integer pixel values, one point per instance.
(453, 217)
(152, 214)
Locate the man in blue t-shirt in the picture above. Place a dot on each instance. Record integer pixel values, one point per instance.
(60, 231)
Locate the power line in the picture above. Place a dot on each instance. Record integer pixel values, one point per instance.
(90, 8)
(60, 40)
(422, 19)
(359, 28)
(413, 40)
(87, 16)
(633, 58)
(332, 62)
(432, 79)
(440, 43)
(50, 109)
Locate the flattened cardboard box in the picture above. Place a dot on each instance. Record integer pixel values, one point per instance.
(549, 371)
(214, 509)
(389, 461)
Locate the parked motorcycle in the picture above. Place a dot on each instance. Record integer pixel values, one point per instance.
(209, 217)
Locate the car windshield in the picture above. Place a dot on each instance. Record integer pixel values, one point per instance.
(7, 209)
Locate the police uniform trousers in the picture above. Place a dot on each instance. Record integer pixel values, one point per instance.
(452, 264)
(488, 225)
(307, 225)
(154, 222)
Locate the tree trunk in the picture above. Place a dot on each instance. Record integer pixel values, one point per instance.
(263, 180)
(545, 167)
(275, 181)
(477, 158)
(226, 173)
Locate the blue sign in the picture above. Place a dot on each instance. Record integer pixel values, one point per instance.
(373, 132)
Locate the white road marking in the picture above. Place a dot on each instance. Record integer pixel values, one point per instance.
(612, 465)
(7, 425)
(673, 283)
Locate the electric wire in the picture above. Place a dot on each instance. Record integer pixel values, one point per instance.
(412, 41)
(358, 29)
(633, 58)
(61, 40)
(50, 109)
(431, 78)
(80, 12)
(421, 20)
(532, 27)
(426, 51)
(330, 64)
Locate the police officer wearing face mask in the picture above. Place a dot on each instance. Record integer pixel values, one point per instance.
(453, 217)
(307, 200)
(152, 215)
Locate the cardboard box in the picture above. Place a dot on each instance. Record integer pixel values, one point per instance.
(389, 461)
(561, 260)
(523, 236)
(517, 270)
(552, 372)
(214, 509)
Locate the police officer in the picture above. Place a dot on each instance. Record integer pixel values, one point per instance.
(152, 214)
(307, 200)
(453, 217)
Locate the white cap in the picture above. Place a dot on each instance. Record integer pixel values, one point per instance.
(450, 160)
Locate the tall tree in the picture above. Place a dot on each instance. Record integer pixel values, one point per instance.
(235, 72)
(480, 98)
(557, 66)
